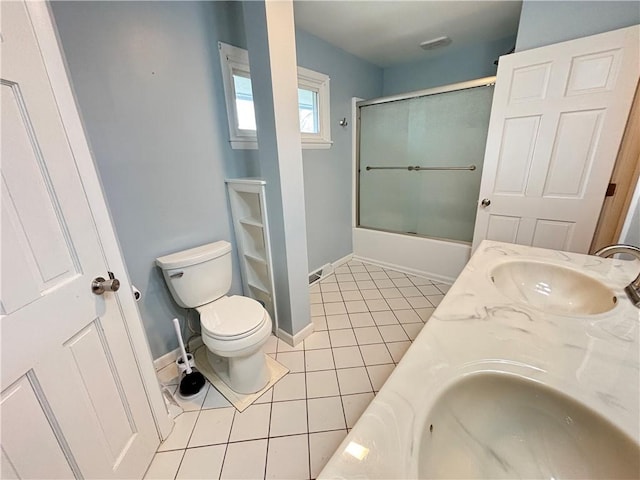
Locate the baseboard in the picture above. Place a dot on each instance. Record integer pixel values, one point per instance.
(411, 271)
(170, 357)
(327, 269)
(342, 261)
(294, 340)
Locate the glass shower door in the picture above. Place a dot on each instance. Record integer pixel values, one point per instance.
(435, 131)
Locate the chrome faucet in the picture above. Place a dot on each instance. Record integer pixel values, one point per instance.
(633, 289)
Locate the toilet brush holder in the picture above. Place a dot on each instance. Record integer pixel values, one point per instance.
(180, 363)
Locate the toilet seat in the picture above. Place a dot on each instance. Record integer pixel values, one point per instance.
(231, 318)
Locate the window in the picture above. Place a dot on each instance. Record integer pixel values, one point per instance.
(313, 102)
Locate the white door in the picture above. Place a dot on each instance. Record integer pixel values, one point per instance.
(72, 399)
(557, 119)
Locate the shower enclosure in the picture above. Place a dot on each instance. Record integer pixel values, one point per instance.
(419, 163)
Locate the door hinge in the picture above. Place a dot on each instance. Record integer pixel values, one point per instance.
(611, 190)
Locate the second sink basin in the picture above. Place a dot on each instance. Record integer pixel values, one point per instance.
(552, 288)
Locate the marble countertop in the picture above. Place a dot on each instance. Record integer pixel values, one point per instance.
(593, 359)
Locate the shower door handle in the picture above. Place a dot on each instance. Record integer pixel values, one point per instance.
(485, 202)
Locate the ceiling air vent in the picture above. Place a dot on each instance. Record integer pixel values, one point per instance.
(435, 43)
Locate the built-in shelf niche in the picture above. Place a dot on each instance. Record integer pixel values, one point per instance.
(251, 225)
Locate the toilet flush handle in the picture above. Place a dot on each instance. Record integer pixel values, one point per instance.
(176, 274)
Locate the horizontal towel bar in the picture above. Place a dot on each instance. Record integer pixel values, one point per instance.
(418, 168)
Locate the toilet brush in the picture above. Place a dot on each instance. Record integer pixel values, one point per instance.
(192, 382)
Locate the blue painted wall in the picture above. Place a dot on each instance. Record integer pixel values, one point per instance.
(451, 66)
(148, 84)
(328, 173)
(546, 22)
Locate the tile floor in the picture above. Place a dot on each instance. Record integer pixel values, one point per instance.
(365, 318)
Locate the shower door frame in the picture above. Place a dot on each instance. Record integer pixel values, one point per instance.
(479, 82)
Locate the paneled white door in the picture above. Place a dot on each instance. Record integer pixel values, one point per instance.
(557, 120)
(72, 400)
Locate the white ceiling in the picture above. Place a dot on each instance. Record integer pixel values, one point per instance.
(386, 33)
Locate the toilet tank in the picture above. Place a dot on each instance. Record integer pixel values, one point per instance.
(199, 275)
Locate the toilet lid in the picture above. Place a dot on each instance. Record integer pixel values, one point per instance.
(231, 317)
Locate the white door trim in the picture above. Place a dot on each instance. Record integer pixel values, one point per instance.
(52, 54)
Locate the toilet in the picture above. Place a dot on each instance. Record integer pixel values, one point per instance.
(234, 328)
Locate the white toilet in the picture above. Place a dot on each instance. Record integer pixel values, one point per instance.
(233, 328)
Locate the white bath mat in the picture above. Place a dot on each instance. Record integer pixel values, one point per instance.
(239, 400)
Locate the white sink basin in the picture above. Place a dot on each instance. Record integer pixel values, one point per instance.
(492, 425)
(552, 288)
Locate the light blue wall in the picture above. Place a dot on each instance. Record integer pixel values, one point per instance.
(328, 174)
(148, 83)
(546, 22)
(451, 66)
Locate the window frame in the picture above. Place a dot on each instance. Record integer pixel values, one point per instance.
(235, 60)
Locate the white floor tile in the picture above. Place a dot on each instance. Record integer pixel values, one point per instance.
(315, 298)
(379, 375)
(392, 292)
(379, 275)
(251, 424)
(213, 427)
(347, 286)
(288, 418)
(408, 316)
(329, 279)
(410, 291)
(384, 283)
(376, 354)
(413, 329)
(351, 295)
(344, 277)
(444, 288)
(331, 297)
(164, 465)
(371, 294)
(334, 308)
(288, 458)
(325, 414)
(319, 323)
(322, 384)
(353, 380)
(366, 285)
(215, 399)
(336, 322)
(401, 282)
(377, 305)
(290, 387)
(317, 340)
(372, 268)
(285, 347)
(354, 406)
(342, 269)
(179, 437)
(316, 309)
(322, 447)
(342, 338)
(347, 357)
(357, 268)
(398, 303)
(393, 333)
(393, 274)
(319, 360)
(419, 302)
(202, 463)
(236, 465)
(315, 288)
(361, 319)
(435, 299)
(384, 318)
(425, 313)
(356, 306)
(367, 335)
(359, 277)
(329, 287)
(294, 361)
(397, 349)
(429, 290)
